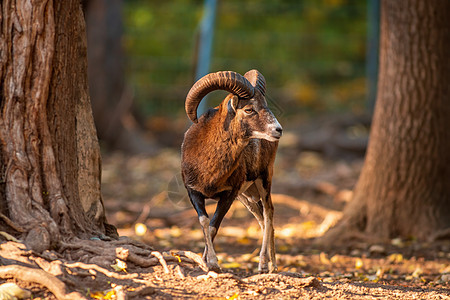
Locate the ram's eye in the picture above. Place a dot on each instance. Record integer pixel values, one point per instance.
(249, 111)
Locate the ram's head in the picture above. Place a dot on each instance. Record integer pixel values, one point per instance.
(246, 106)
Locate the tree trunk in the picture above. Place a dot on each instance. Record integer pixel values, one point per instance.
(49, 156)
(404, 186)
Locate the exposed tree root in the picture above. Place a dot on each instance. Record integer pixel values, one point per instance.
(11, 224)
(341, 234)
(74, 262)
(161, 260)
(350, 227)
(93, 267)
(120, 293)
(192, 256)
(158, 258)
(130, 242)
(52, 283)
(54, 267)
(107, 252)
(126, 255)
(440, 235)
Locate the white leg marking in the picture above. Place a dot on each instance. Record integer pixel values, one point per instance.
(209, 255)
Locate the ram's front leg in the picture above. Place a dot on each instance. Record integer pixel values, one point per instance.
(225, 200)
(209, 256)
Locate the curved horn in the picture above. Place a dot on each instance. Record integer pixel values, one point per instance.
(257, 80)
(225, 80)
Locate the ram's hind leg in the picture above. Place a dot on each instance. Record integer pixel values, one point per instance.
(268, 220)
(255, 208)
(267, 258)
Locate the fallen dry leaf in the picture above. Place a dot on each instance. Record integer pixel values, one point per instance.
(119, 266)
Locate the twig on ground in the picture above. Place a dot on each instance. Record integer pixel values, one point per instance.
(195, 257)
(101, 270)
(161, 261)
(52, 283)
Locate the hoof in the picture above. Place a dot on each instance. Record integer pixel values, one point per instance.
(272, 267)
(214, 268)
(267, 269)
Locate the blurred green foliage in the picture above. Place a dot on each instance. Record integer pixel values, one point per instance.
(312, 52)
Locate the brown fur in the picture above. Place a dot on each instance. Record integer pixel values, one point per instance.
(215, 158)
(233, 144)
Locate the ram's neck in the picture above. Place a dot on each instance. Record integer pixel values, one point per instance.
(226, 148)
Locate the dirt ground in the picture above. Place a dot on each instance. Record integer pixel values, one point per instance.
(145, 199)
(310, 190)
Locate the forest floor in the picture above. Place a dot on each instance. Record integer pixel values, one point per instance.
(145, 199)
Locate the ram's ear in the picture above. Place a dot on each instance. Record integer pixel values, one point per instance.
(232, 107)
(233, 103)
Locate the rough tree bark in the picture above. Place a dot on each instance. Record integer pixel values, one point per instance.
(50, 159)
(49, 152)
(404, 186)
